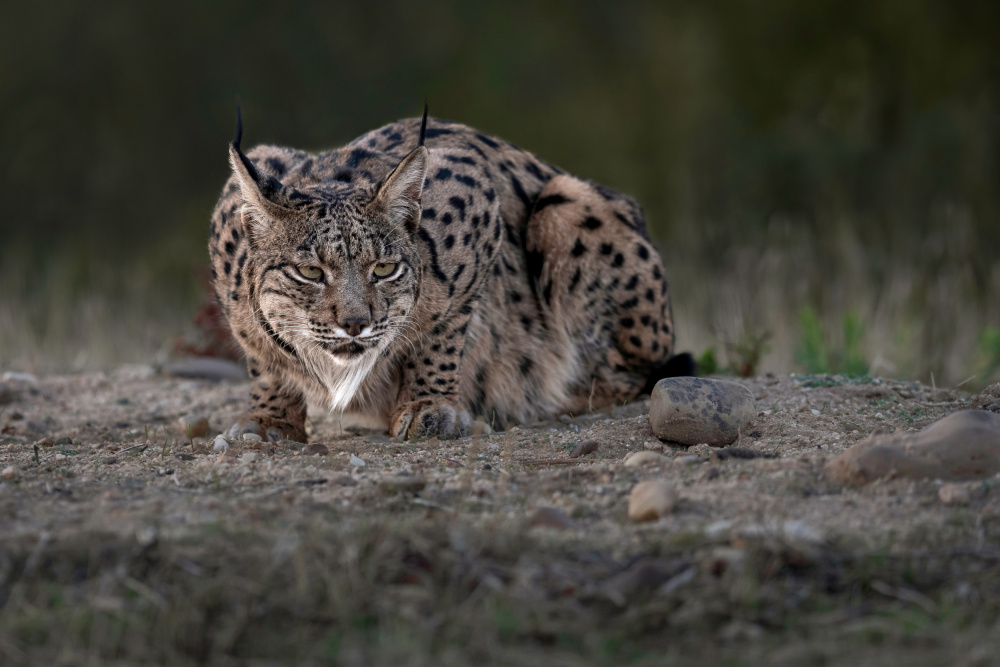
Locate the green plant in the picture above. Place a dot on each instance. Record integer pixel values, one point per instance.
(819, 355)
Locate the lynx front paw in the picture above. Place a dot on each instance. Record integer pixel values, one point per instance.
(268, 428)
(428, 418)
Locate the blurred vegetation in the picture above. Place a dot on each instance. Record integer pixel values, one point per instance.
(840, 157)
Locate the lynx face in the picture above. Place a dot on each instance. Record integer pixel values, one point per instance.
(341, 284)
(334, 270)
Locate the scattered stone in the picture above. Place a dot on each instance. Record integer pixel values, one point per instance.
(551, 517)
(357, 462)
(584, 448)
(249, 457)
(60, 457)
(479, 427)
(44, 442)
(380, 438)
(11, 376)
(252, 437)
(743, 453)
(992, 390)
(195, 427)
(388, 486)
(220, 444)
(689, 460)
(964, 445)
(10, 472)
(345, 480)
(185, 457)
(204, 368)
(65, 440)
(851, 427)
(316, 448)
(110, 461)
(651, 500)
(644, 458)
(954, 494)
(15, 416)
(690, 410)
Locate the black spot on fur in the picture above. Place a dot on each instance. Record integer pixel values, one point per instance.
(443, 174)
(607, 248)
(618, 260)
(578, 248)
(642, 251)
(551, 200)
(574, 280)
(590, 222)
(526, 365)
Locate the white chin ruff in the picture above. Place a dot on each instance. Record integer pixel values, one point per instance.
(342, 379)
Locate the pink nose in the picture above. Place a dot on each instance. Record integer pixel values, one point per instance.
(354, 325)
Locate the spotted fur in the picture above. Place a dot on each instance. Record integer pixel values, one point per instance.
(519, 291)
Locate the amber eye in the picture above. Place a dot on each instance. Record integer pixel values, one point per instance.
(311, 272)
(384, 269)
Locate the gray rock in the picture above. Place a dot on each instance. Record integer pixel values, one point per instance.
(584, 448)
(965, 445)
(691, 411)
(220, 444)
(316, 448)
(252, 437)
(204, 368)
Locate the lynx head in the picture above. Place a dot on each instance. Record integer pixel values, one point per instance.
(336, 268)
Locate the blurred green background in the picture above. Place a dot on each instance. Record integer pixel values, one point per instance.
(822, 178)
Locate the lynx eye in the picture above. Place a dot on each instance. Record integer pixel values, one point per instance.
(310, 272)
(384, 269)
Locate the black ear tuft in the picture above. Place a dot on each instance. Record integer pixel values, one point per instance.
(239, 128)
(423, 126)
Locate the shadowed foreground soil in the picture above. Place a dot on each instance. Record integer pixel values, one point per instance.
(435, 553)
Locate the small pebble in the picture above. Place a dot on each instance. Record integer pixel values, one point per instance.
(220, 444)
(645, 457)
(376, 437)
(316, 448)
(64, 441)
(651, 500)
(10, 472)
(195, 427)
(357, 462)
(185, 457)
(480, 427)
(249, 457)
(584, 448)
(251, 437)
(110, 461)
(954, 494)
(60, 457)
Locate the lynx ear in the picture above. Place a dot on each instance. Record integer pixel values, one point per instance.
(265, 197)
(399, 195)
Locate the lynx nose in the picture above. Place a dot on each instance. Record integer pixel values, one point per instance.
(354, 325)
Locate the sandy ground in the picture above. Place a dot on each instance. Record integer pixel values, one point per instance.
(116, 462)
